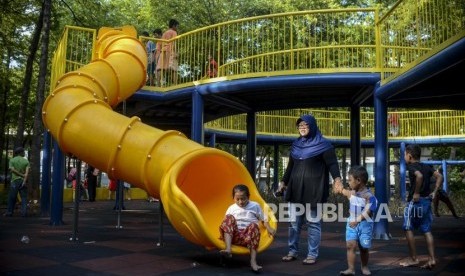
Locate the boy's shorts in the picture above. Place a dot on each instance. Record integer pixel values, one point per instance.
(363, 233)
(417, 215)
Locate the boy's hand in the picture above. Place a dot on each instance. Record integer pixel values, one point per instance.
(353, 223)
(23, 185)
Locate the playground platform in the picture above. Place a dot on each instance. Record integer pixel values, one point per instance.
(104, 249)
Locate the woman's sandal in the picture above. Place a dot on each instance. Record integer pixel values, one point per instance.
(288, 258)
(309, 261)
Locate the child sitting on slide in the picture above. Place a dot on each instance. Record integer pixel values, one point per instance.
(240, 225)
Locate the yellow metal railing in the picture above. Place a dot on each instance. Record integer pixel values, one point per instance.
(75, 49)
(290, 43)
(336, 124)
(320, 41)
(349, 40)
(414, 30)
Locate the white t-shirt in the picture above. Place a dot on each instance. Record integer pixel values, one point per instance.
(251, 213)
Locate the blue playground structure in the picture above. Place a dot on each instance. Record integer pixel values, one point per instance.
(384, 66)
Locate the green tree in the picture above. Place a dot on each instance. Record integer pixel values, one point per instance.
(39, 100)
(17, 21)
(28, 74)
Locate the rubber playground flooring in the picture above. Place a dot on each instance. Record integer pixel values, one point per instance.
(131, 244)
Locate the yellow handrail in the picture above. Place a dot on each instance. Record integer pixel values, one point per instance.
(412, 30)
(336, 124)
(317, 41)
(74, 50)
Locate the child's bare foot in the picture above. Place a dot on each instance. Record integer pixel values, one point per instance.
(255, 267)
(347, 272)
(365, 270)
(430, 264)
(226, 254)
(409, 262)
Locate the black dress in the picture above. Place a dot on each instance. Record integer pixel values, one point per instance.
(307, 179)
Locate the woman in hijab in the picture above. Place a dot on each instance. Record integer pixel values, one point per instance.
(306, 185)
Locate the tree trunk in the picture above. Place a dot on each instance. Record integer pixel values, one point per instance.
(19, 141)
(453, 153)
(258, 169)
(5, 91)
(269, 186)
(38, 126)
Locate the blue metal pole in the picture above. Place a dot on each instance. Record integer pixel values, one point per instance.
(402, 170)
(443, 163)
(381, 227)
(197, 117)
(251, 143)
(355, 139)
(212, 141)
(45, 178)
(276, 160)
(56, 217)
(444, 174)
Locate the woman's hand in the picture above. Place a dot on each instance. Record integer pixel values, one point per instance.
(338, 187)
(281, 189)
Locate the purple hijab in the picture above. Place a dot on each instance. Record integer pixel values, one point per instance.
(311, 145)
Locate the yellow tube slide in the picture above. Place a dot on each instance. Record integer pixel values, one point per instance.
(194, 182)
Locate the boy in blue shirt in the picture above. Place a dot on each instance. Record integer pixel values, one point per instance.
(359, 229)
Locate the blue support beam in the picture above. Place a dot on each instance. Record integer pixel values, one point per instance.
(275, 166)
(402, 170)
(381, 229)
(45, 178)
(197, 117)
(251, 143)
(212, 140)
(56, 215)
(355, 144)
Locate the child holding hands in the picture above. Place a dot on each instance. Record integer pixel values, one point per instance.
(240, 225)
(359, 229)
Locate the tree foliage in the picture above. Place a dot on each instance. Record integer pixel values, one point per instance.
(20, 18)
(17, 19)
(454, 176)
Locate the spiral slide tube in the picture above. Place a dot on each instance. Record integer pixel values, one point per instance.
(194, 182)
